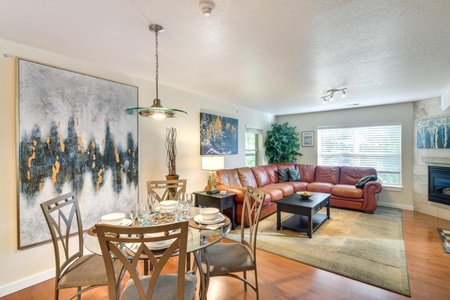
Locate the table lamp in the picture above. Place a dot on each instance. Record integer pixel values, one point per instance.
(212, 163)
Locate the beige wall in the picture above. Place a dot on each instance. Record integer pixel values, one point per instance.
(398, 113)
(426, 109)
(26, 267)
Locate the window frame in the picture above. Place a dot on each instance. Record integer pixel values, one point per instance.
(362, 126)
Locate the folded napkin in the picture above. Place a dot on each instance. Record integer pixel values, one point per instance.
(212, 226)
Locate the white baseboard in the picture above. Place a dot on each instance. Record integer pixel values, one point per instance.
(399, 206)
(26, 282)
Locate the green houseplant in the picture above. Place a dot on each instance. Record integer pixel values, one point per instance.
(282, 144)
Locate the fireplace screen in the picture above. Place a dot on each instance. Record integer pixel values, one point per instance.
(439, 184)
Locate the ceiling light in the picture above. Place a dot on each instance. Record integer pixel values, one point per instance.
(156, 111)
(329, 96)
(206, 6)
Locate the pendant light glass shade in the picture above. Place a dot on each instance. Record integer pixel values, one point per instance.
(156, 111)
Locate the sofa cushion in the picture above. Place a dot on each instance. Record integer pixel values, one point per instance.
(321, 187)
(362, 182)
(261, 176)
(272, 172)
(275, 194)
(307, 172)
(283, 175)
(347, 191)
(298, 185)
(294, 174)
(246, 177)
(328, 174)
(228, 177)
(284, 187)
(351, 175)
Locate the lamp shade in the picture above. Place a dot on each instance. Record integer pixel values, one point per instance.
(212, 163)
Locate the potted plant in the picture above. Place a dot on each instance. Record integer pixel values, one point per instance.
(282, 144)
(171, 149)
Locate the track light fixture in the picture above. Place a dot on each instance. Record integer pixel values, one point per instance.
(329, 96)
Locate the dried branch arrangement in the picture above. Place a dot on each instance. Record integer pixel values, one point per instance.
(171, 148)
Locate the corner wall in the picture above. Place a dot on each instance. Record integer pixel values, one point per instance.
(426, 109)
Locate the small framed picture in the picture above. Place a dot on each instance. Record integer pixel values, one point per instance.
(307, 138)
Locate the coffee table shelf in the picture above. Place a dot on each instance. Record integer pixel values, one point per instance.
(301, 223)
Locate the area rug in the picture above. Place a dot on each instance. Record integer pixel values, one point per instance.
(444, 234)
(365, 247)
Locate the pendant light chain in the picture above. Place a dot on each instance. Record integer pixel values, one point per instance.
(156, 64)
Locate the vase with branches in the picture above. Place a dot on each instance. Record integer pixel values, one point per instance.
(171, 149)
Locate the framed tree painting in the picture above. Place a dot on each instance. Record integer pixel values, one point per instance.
(433, 133)
(73, 136)
(218, 135)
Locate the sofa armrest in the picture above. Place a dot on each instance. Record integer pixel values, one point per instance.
(370, 194)
(238, 190)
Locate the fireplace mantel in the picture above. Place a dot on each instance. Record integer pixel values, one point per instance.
(431, 160)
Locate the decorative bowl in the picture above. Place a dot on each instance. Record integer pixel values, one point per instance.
(113, 219)
(305, 195)
(209, 213)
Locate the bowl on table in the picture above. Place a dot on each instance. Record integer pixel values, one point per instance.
(113, 219)
(209, 213)
(168, 204)
(305, 195)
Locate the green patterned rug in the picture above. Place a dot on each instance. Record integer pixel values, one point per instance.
(365, 247)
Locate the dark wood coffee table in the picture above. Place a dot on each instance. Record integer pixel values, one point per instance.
(305, 218)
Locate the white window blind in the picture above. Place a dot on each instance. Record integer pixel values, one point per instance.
(368, 146)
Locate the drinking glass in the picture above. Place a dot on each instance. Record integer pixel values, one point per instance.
(143, 209)
(185, 205)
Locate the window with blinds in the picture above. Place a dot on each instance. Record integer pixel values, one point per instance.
(369, 146)
(251, 151)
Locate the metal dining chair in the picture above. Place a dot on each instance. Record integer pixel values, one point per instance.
(72, 268)
(167, 189)
(226, 259)
(157, 243)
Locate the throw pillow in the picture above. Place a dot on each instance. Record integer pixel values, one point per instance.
(362, 182)
(294, 174)
(283, 175)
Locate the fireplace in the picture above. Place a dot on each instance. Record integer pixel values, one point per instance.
(439, 184)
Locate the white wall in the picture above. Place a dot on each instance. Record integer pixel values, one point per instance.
(398, 113)
(26, 267)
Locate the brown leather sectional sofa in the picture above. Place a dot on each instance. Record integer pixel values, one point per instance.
(337, 181)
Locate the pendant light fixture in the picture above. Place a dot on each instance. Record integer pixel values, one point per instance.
(156, 111)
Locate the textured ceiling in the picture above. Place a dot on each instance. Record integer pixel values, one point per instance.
(274, 56)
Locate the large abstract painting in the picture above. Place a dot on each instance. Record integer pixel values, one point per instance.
(218, 135)
(73, 136)
(433, 133)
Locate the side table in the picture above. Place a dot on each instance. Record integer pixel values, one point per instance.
(219, 201)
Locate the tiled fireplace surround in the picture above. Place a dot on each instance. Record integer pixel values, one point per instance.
(424, 109)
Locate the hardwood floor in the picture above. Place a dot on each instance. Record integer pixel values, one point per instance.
(281, 278)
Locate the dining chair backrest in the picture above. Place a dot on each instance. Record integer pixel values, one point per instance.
(130, 244)
(251, 210)
(73, 269)
(167, 189)
(64, 221)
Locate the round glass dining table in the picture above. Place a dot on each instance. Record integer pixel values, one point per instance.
(200, 236)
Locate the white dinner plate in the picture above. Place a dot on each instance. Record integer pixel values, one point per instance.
(124, 222)
(199, 219)
(160, 245)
